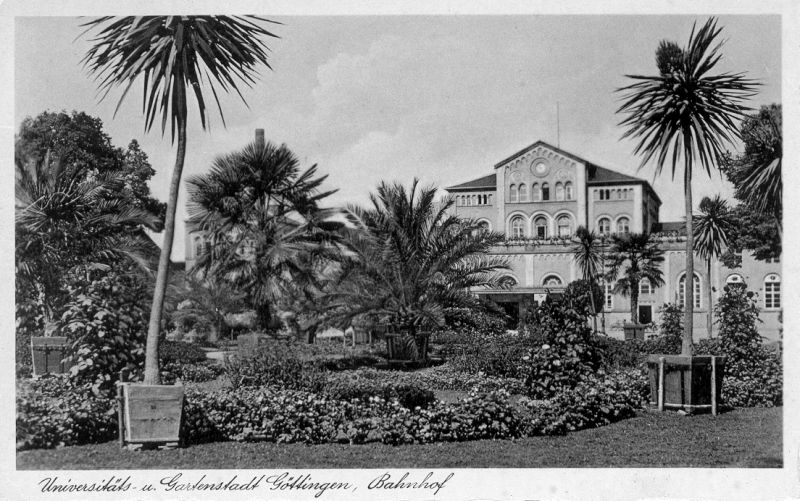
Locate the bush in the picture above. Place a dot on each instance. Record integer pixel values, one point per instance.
(289, 416)
(106, 324)
(354, 386)
(178, 352)
(567, 355)
(192, 373)
(496, 356)
(54, 412)
(754, 374)
(488, 320)
(280, 364)
(596, 401)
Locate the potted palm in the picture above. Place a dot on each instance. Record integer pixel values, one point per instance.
(171, 53)
(685, 114)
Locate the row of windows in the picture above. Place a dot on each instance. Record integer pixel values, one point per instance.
(614, 194)
(604, 225)
(772, 289)
(519, 193)
(476, 199)
(541, 227)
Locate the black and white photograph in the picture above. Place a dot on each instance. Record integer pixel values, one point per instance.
(435, 252)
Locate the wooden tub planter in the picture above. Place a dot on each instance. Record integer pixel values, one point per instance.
(150, 415)
(49, 355)
(691, 384)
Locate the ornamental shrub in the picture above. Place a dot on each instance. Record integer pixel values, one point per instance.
(596, 401)
(54, 411)
(353, 386)
(192, 373)
(280, 364)
(567, 354)
(179, 352)
(753, 374)
(106, 322)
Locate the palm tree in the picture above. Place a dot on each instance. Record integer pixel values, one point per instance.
(173, 54)
(587, 254)
(761, 186)
(633, 257)
(685, 114)
(262, 214)
(68, 223)
(410, 258)
(711, 231)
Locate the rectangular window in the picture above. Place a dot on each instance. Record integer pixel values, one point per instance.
(609, 297)
(772, 295)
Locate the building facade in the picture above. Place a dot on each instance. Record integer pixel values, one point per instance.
(540, 195)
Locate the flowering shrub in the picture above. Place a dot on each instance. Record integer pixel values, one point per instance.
(289, 416)
(567, 355)
(54, 412)
(442, 377)
(596, 401)
(351, 386)
(753, 374)
(497, 356)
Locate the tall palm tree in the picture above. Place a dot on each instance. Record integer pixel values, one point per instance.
(262, 215)
(711, 229)
(587, 254)
(685, 114)
(409, 259)
(67, 222)
(633, 257)
(173, 54)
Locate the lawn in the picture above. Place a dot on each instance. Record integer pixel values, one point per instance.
(740, 438)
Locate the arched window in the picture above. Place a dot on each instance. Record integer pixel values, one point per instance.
(623, 225)
(645, 286)
(551, 281)
(484, 226)
(682, 291)
(772, 292)
(545, 192)
(564, 225)
(540, 227)
(604, 226)
(518, 227)
(536, 192)
(512, 193)
(523, 192)
(568, 191)
(507, 281)
(735, 279)
(559, 191)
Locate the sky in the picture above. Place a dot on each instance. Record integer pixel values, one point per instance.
(442, 98)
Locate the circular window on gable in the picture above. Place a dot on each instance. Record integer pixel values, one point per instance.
(540, 168)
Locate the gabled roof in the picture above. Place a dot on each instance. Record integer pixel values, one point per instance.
(599, 174)
(485, 182)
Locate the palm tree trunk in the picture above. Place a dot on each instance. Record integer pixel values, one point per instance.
(152, 374)
(709, 321)
(594, 308)
(688, 292)
(635, 303)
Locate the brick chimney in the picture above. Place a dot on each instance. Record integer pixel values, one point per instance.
(260, 138)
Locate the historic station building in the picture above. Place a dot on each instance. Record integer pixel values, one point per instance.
(538, 197)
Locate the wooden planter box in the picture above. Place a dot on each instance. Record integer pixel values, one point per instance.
(687, 383)
(150, 414)
(634, 331)
(396, 349)
(48, 353)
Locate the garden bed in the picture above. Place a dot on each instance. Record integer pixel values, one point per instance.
(750, 438)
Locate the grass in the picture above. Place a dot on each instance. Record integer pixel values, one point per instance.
(740, 438)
